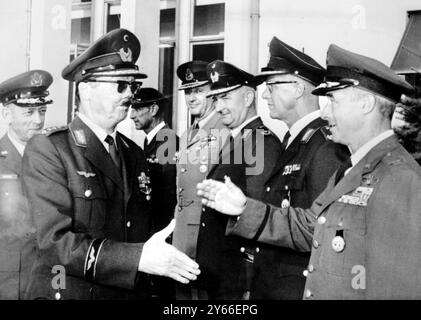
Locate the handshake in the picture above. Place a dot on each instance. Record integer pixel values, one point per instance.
(162, 259)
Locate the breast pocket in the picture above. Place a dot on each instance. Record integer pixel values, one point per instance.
(349, 222)
(90, 206)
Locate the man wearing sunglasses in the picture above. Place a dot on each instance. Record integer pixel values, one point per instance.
(25, 99)
(89, 188)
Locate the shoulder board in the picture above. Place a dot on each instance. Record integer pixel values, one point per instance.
(265, 131)
(49, 131)
(308, 135)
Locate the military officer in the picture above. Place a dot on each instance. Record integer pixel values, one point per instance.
(307, 163)
(25, 100)
(362, 229)
(88, 186)
(160, 147)
(226, 262)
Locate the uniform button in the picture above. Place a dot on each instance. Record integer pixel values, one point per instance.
(285, 204)
(242, 249)
(308, 293)
(128, 224)
(305, 273)
(6, 194)
(268, 189)
(180, 208)
(180, 190)
(315, 244)
(88, 193)
(57, 296)
(183, 170)
(203, 168)
(203, 224)
(310, 268)
(203, 209)
(257, 250)
(321, 220)
(238, 218)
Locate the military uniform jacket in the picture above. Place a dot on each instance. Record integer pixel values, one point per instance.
(302, 174)
(17, 235)
(163, 176)
(199, 151)
(363, 232)
(221, 258)
(90, 219)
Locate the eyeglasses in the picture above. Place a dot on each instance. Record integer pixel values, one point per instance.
(269, 84)
(122, 84)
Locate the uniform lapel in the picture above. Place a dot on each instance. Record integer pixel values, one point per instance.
(95, 151)
(13, 160)
(354, 178)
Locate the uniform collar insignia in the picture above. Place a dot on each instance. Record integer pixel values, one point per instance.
(79, 137)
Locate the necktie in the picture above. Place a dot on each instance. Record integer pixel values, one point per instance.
(341, 171)
(113, 152)
(194, 130)
(285, 140)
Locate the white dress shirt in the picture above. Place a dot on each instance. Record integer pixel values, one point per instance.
(297, 127)
(98, 131)
(20, 147)
(154, 131)
(236, 131)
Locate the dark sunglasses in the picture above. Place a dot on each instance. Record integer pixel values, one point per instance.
(122, 84)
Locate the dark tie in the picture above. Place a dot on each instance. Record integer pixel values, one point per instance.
(342, 169)
(194, 130)
(285, 140)
(113, 152)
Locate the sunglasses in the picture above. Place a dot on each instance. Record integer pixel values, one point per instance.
(269, 84)
(122, 84)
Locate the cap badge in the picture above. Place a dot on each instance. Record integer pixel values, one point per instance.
(36, 79)
(126, 38)
(214, 76)
(126, 55)
(189, 75)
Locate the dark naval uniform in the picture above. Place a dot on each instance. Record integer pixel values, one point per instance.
(363, 229)
(17, 234)
(91, 207)
(90, 219)
(224, 261)
(163, 178)
(18, 247)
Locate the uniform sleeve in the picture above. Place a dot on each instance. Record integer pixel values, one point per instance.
(101, 261)
(393, 258)
(291, 228)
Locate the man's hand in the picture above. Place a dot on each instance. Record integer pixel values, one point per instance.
(162, 259)
(224, 197)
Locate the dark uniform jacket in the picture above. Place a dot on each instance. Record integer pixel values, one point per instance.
(302, 174)
(17, 234)
(90, 219)
(163, 175)
(222, 258)
(364, 232)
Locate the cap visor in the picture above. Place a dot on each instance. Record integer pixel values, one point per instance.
(192, 85)
(222, 90)
(121, 73)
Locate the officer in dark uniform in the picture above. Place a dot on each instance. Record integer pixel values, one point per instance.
(25, 100)
(248, 158)
(307, 163)
(160, 147)
(363, 229)
(200, 147)
(88, 186)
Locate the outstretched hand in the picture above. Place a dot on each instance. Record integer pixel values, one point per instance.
(225, 197)
(162, 259)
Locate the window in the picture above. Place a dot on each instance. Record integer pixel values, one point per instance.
(407, 60)
(113, 15)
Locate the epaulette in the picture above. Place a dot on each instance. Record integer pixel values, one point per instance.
(265, 131)
(49, 131)
(308, 135)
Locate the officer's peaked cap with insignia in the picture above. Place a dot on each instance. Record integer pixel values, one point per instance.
(146, 97)
(345, 69)
(225, 77)
(27, 89)
(118, 50)
(285, 59)
(192, 74)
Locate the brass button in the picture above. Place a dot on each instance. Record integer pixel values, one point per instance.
(310, 268)
(305, 273)
(203, 224)
(268, 189)
(128, 224)
(242, 249)
(57, 296)
(315, 244)
(321, 220)
(183, 170)
(257, 250)
(308, 293)
(88, 193)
